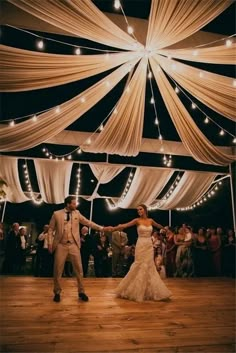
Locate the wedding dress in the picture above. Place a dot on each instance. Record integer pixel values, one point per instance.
(143, 282)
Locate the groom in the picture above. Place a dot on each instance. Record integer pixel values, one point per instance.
(64, 239)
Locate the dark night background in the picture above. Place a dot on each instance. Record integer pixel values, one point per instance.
(217, 211)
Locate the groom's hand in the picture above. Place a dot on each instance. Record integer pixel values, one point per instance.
(108, 229)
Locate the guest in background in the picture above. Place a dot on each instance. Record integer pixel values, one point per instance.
(170, 252)
(102, 255)
(20, 254)
(86, 248)
(184, 262)
(11, 246)
(229, 249)
(201, 254)
(119, 241)
(215, 252)
(44, 260)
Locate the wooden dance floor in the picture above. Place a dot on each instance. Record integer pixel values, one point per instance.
(199, 318)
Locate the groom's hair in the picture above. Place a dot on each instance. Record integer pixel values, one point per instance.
(68, 199)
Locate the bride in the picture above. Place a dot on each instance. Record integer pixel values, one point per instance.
(142, 282)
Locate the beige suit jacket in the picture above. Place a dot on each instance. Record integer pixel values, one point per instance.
(56, 227)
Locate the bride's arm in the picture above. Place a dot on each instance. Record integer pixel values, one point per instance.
(157, 225)
(125, 225)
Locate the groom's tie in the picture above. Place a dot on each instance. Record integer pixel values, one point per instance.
(67, 216)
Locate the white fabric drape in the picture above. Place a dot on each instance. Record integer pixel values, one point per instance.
(193, 139)
(215, 91)
(218, 54)
(29, 133)
(145, 187)
(123, 132)
(104, 173)
(190, 188)
(53, 179)
(24, 70)
(79, 17)
(172, 21)
(9, 173)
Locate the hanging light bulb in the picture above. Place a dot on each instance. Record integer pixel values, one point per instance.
(234, 140)
(206, 120)
(228, 43)
(34, 119)
(156, 121)
(117, 4)
(115, 111)
(101, 127)
(234, 83)
(82, 99)
(40, 44)
(12, 123)
(150, 74)
(194, 106)
(130, 30)
(222, 132)
(77, 51)
(152, 101)
(58, 109)
(79, 151)
(176, 90)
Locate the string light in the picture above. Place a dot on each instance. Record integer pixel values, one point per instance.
(207, 118)
(41, 39)
(34, 118)
(112, 205)
(222, 132)
(176, 90)
(211, 192)
(78, 184)
(152, 101)
(12, 123)
(171, 189)
(29, 186)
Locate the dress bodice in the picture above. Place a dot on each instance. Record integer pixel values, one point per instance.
(144, 231)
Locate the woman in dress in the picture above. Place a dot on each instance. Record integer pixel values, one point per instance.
(142, 282)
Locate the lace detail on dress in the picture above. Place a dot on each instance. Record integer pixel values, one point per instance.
(143, 281)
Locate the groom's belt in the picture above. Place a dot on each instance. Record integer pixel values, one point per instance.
(67, 242)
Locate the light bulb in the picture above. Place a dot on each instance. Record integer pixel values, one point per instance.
(152, 101)
(149, 74)
(34, 118)
(12, 123)
(228, 43)
(201, 74)
(101, 127)
(234, 140)
(77, 51)
(117, 4)
(58, 109)
(115, 111)
(156, 121)
(40, 44)
(206, 120)
(222, 132)
(82, 99)
(176, 90)
(130, 30)
(194, 106)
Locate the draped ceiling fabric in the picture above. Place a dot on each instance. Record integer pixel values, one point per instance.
(81, 18)
(218, 54)
(53, 179)
(215, 91)
(123, 132)
(24, 70)
(146, 186)
(172, 25)
(9, 173)
(193, 139)
(50, 123)
(191, 187)
(172, 21)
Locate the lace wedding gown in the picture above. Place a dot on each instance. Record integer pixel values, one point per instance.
(143, 282)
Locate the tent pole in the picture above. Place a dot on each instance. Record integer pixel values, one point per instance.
(3, 212)
(91, 213)
(232, 196)
(169, 218)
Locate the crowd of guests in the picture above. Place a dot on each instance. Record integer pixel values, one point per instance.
(177, 252)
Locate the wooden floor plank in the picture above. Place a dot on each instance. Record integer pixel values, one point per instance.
(199, 318)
